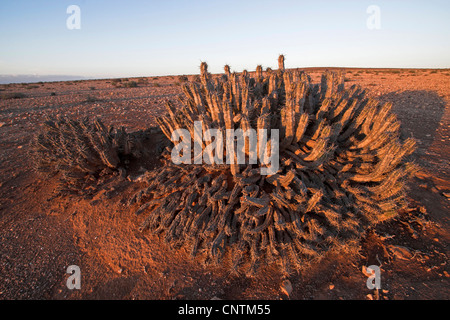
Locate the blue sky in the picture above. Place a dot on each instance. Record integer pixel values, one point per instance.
(146, 38)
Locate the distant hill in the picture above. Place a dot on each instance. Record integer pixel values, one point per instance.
(28, 78)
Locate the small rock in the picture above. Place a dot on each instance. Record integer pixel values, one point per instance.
(95, 202)
(400, 252)
(366, 272)
(446, 194)
(376, 295)
(369, 297)
(331, 286)
(286, 287)
(215, 298)
(2, 124)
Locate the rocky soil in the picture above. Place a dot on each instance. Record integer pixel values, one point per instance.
(41, 235)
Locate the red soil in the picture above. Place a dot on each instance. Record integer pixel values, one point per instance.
(41, 235)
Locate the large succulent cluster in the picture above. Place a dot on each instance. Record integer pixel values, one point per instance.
(341, 170)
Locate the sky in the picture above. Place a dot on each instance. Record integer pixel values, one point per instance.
(154, 38)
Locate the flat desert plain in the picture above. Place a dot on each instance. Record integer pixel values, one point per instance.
(41, 235)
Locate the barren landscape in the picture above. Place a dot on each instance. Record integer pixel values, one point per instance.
(42, 234)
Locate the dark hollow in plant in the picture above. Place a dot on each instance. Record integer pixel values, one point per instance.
(342, 170)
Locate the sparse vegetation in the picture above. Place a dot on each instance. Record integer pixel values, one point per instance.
(142, 81)
(91, 99)
(12, 95)
(130, 84)
(116, 82)
(182, 78)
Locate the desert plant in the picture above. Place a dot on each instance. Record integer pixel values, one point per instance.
(130, 84)
(342, 170)
(259, 73)
(82, 151)
(183, 78)
(12, 95)
(227, 70)
(91, 99)
(116, 82)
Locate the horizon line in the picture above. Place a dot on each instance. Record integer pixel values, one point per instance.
(106, 77)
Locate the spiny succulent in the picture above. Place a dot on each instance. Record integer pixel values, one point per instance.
(342, 169)
(82, 151)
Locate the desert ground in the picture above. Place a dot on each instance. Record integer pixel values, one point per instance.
(41, 235)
